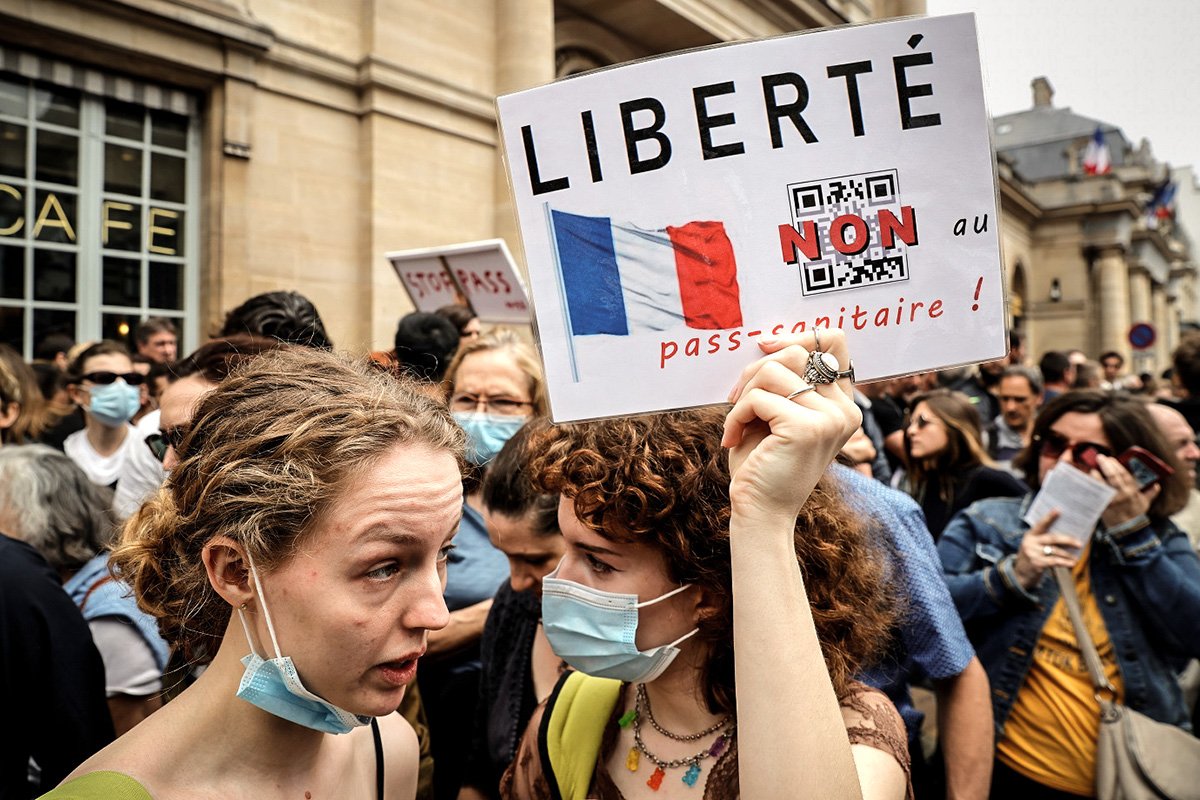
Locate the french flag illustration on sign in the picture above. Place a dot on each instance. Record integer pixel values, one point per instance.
(620, 279)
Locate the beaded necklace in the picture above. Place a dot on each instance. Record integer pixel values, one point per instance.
(634, 717)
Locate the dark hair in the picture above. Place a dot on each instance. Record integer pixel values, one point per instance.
(152, 325)
(287, 316)
(50, 379)
(460, 316)
(49, 348)
(1126, 423)
(104, 347)
(1186, 361)
(424, 344)
(1054, 366)
(1111, 354)
(509, 490)
(1032, 376)
(214, 361)
(964, 448)
(662, 480)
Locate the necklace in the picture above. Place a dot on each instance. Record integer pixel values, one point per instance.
(634, 717)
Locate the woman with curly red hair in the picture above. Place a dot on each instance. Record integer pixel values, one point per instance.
(718, 602)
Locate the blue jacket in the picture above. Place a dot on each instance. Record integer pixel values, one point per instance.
(98, 596)
(1147, 584)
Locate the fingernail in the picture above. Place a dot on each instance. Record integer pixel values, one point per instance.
(729, 398)
(767, 341)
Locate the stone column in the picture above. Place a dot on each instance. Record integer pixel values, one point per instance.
(1162, 326)
(1113, 299)
(1140, 309)
(524, 58)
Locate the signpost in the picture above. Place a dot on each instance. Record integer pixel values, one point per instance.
(677, 210)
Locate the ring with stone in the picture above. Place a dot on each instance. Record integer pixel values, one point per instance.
(1047, 550)
(817, 340)
(799, 392)
(821, 368)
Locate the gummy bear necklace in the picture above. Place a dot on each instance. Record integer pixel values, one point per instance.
(634, 717)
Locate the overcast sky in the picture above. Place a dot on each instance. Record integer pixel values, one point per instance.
(1132, 63)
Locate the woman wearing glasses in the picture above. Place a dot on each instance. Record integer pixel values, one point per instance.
(104, 384)
(948, 466)
(1138, 582)
(496, 386)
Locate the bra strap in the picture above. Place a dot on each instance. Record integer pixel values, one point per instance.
(378, 758)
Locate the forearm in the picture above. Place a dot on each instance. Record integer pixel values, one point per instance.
(465, 628)
(966, 732)
(781, 676)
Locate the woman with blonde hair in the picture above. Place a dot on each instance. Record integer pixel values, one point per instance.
(948, 465)
(300, 546)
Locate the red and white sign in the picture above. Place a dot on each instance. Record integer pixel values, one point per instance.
(480, 275)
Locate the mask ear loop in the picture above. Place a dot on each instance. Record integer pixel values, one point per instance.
(669, 594)
(266, 614)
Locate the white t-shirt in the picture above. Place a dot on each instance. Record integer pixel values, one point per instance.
(129, 666)
(141, 474)
(104, 470)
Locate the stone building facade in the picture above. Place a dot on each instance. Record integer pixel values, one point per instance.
(174, 157)
(1082, 261)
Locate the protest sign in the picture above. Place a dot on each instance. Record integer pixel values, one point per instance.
(675, 210)
(480, 275)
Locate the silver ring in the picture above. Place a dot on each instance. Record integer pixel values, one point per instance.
(821, 368)
(848, 373)
(817, 340)
(799, 392)
(1047, 550)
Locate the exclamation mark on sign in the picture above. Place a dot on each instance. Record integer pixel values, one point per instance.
(978, 286)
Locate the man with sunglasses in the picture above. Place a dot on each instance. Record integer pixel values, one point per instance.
(105, 386)
(1136, 575)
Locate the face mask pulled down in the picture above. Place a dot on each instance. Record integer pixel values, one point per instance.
(596, 631)
(274, 685)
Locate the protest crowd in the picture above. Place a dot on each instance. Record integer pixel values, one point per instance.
(822, 590)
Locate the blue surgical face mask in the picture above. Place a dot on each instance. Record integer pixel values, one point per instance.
(274, 685)
(114, 404)
(486, 433)
(596, 632)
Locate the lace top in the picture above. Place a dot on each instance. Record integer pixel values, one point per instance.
(870, 719)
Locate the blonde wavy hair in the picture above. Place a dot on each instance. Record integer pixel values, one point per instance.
(523, 354)
(269, 450)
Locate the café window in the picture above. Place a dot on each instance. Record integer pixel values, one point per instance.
(98, 197)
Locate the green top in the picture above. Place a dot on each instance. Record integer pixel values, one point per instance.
(99, 786)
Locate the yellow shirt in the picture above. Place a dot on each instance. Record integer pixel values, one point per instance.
(1051, 733)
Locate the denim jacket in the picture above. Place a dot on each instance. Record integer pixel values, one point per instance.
(1148, 587)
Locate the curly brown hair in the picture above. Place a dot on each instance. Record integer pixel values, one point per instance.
(269, 450)
(663, 480)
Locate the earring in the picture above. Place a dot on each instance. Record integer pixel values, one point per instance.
(242, 607)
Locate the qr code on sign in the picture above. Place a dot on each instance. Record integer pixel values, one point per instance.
(862, 196)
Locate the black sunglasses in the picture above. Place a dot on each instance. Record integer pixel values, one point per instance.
(105, 378)
(160, 441)
(1054, 444)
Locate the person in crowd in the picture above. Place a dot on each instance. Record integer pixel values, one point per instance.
(496, 386)
(1185, 362)
(289, 317)
(463, 319)
(34, 417)
(880, 469)
(979, 384)
(1076, 356)
(300, 546)
(948, 467)
(1020, 396)
(926, 643)
(1112, 364)
(53, 350)
(51, 675)
(145, 418)
(1180, 436)
(705, 585)
(1058, 374)
(1016, 349)
(423, 347)
(146, 468)
(1088, 375)
(887, 408)
(1137, 578)
(105, 386)
(157, 339)
(10, 402)
(52, 506)
(519, 668)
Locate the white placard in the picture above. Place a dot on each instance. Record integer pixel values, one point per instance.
(675, 210)
(480, 275)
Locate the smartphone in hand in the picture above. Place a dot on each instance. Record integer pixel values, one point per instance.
(1146, 468)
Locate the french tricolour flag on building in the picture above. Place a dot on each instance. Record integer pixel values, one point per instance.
(1096, 160)
(620, 279)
